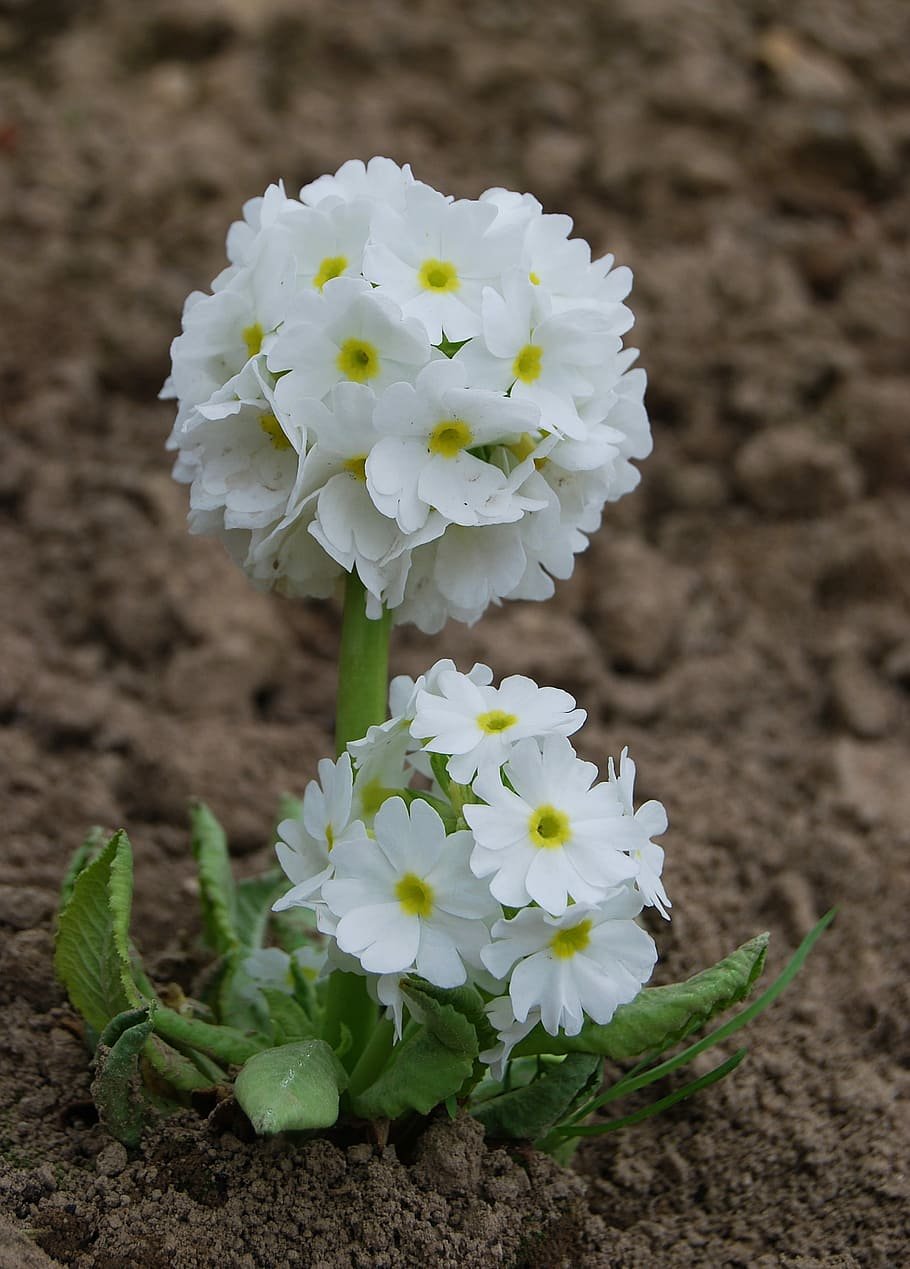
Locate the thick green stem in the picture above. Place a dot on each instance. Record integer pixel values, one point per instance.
(363, 686)
(363, 667)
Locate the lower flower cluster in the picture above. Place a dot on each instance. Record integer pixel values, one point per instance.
(464, 840)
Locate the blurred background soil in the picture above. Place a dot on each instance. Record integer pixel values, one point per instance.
(740, 622)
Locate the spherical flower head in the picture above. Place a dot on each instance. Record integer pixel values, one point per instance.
(650, 820)
(306, 846)
(587, 962)
(408, 900)
(477, 726)
(547, 835)
(498, 415)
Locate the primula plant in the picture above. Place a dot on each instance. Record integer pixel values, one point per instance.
(431, 399)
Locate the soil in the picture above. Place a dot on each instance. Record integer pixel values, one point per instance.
(741, 622)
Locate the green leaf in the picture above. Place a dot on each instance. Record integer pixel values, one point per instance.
(449, 1014)
(289, 1022)
(92, 956)
(432, 1062)
(465, 1000)
(173, 1069)
(291, 1088)
(81, 858)
(253, 899)
(216, 881)
(646, 1112)
(530, 1111)
(660, 1017)
(226, 1045)
(117, 1086)
(422, 1073)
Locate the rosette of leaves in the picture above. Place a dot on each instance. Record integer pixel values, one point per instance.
(293, 1062)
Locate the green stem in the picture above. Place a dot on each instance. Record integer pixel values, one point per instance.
(363, 667)
(373, 1058)
(363, 687)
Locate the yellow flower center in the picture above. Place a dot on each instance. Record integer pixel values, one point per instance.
(438, 275)
(357, 467)
(568, 943)
(549, 828)
(496, 720)
(330, 267)
(534, 278)
(358, 360)
(274, 432)
(414, 895)
(526, 365)
(524, 446)
(329, 836)
(252, 337)
(449, 438)
(372, 797)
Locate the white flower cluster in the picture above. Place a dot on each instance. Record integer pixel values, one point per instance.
(464, 840)
(432, 391)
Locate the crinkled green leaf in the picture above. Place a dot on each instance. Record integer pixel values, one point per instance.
(447, 1013)
(660, 1017)
(423, 1072)
(465, 1000)
(81, 858)
(216, 881)
(92, 957)
(116, 1087)
(530, 1111)
(253, 899)
(291, 1088)
(289, 1022)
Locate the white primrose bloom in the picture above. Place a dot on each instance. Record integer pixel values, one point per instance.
(434, 257)
(306, 845)
(246, 459)
(650, 820)
(347, 331)
(588, 961)
(509, 1033)
(537, 355)
(424, 460)
(380, 181)
(551, 837)
(408, 900)
(380, 766)
(492, 415)
(476, 726)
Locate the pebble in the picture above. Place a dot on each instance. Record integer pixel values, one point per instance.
(791, 471)
(861, 700)
(112, 1159)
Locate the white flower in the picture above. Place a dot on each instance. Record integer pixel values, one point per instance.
(588, 961)
(222, 331)
(650, 820)
(327, 241)
(347, 331)
(434, 258)
(537, 355)
(408, 900)
(477, 726)
(246, 460)
(305, 846)
(554, 838)
(379, 763)
(509, 1033)
(424, 460)
(259, 214)
(380, 181)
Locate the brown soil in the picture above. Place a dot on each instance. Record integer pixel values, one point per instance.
(741, 622)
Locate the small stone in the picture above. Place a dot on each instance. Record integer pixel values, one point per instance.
(639, 602)
(361, 1153)
(861, 701)
(112, 1159)
(791, 471)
